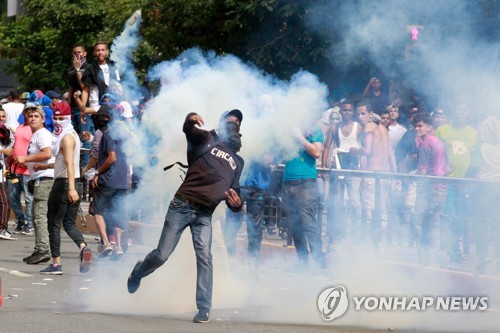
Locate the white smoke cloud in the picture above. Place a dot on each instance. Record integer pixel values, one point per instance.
(209, 84)
(453, 58)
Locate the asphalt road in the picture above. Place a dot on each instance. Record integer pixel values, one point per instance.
(277, 299)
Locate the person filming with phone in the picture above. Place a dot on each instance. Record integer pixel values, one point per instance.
(76, 74)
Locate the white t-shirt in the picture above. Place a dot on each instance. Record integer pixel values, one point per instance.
(105, 71)
(41, 139)
(395, 134)
(127, 110)
(13, 111)
(94, 97)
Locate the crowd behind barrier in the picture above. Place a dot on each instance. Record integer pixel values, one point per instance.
(478, 236)
(443, 217)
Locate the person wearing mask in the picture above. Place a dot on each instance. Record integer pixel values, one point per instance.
(213, 175)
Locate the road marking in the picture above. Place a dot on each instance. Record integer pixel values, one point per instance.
(16, 273)
(39, 283)
(20, 274)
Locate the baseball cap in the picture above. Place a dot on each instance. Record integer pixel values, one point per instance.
(31, 105)
(438, 112)
(235, 112)
(53, 94)
(62, 109)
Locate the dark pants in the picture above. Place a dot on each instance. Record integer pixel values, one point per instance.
(255, 200)
(300, 199)
(181, 215)
(4, 206)
(61, 211)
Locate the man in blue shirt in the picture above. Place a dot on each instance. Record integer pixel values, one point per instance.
(110, 181)
(300, 196)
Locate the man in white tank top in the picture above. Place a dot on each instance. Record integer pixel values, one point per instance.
(64, 198)
(346, 135)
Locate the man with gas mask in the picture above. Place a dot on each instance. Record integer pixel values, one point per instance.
(110, 182)
(213, 175)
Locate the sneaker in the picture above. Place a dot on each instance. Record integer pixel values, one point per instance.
(112, 239)
(118, 253)
(4, 234)
(105, 249)
(29, 257)
(85, 257)
(19, 228)
(38, 258)
(271, 230)
(203, 316)
(52, 270)
(134, 282)
(27, 230)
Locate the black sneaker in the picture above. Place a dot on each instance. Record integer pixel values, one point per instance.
(38, 258)
(52, 270)
(134, 282)
(19, 228)
(29, 257)
(27, 230)
(202, 317)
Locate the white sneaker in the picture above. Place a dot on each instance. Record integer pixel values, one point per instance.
(4, 234)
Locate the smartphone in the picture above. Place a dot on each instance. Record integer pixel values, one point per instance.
(80, 57)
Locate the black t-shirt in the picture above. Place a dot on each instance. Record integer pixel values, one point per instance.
(379, 102)
(73, 82)
(213, 167)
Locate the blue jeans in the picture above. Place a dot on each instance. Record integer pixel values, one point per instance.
(339, 215)
(15, 190)
(300, 199)
(80, 127)
(180, 215)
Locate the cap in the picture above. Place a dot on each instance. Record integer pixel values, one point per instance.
(53, 94)
(31, 105)
(62, 109)
(235, 112)
(36, 107)
(438, 112)
(25, 95)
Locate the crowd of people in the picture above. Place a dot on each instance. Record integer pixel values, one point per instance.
(43, 141)
(42, 136)
(387, 135)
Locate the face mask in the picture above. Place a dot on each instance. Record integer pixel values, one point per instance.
(61, 125)
(101, 123)
(230, 136)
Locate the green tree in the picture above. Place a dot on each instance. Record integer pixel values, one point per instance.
(40, 41)
(271, 34)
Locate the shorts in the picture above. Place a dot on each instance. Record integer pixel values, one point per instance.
(109, 203)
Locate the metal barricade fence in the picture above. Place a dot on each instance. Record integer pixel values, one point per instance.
(468, 189)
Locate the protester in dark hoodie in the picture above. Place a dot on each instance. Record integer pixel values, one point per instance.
(212, 176)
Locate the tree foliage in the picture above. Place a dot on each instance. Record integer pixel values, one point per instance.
(40, 41)
(272, 34)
